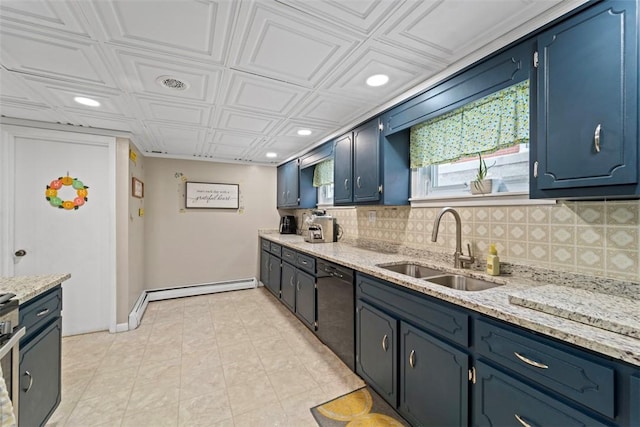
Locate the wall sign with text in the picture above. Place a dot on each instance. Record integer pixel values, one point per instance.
(213, 196)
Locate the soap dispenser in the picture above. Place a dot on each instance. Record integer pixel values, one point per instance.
(493, 262)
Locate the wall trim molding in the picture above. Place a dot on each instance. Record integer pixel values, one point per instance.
(135, 317)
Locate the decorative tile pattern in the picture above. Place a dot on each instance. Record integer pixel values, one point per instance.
(584, 236)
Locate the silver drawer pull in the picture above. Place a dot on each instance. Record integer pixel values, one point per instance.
(412, 358)
(530, 362)
(385, 343)
(596, 138)
(304, 262)
(42, 312)
(26, 390)
(521, 421)
(346, 183)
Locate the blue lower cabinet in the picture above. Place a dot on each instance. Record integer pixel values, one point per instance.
(434, 384)
(635, 401)
(501, 400)
(40, 376)
(288, 285)
(376, 350)
(306, 298)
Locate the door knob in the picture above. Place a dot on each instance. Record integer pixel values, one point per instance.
(20, 252)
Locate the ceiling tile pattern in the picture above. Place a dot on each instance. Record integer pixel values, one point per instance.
(256, 71)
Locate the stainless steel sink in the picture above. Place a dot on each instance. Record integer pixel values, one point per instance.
(413, 270)
(462, 283)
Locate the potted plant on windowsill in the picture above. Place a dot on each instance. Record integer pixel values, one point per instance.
(481, 184)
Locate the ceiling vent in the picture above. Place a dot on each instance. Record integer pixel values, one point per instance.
(171, 82)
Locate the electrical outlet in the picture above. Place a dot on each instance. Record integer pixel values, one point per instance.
(372, 216)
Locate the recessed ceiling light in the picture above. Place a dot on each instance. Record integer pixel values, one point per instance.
(271, 155)
(171, 82)
(86, 101)
(378, 80)
(304, 132)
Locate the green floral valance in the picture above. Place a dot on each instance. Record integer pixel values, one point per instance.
(323, 173)
(496, 121)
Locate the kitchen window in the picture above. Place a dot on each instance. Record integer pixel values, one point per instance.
(323, 181)
(444, 150)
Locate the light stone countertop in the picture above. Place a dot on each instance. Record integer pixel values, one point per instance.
(28, 287)
(492, 302)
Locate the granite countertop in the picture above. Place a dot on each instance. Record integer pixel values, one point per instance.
(492, 302)
(28, 287)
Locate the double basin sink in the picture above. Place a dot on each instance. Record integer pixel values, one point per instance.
(453, 281)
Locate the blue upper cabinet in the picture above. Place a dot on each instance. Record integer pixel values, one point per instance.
(343, 170)
(585, 127)
(288, 181)
(366, 163)
(498, 72)
(371, 168)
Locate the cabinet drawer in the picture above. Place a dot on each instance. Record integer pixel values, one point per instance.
(421, 310)
(307, 263)
(289, 255)
(38, 312)
(266, 245)
(560, 368)
(501, 400)
(275, 249)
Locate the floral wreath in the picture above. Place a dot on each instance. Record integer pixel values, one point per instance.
(51, 193)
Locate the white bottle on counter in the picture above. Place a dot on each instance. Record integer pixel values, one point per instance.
(493, 261)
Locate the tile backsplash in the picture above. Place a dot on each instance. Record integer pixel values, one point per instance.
(591, 238)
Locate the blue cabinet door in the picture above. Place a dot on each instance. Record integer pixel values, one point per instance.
(306, 298)
(501, 400)
(274, 275)
(40, 376)
(288, 288)
(288, 178)
(264, 268)
(587, 99)
(376, 350)
(366, 163)
(434, 384)
(634, 401)
(343, 170)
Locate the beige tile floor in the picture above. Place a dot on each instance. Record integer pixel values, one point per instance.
(229, 359)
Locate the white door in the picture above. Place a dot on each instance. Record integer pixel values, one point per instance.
(57, 240)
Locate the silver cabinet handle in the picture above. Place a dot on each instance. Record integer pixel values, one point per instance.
(291, 281)
(346, 183)
(298, 286)
(412, 359)
(535, 169)
(304, 262)
(530, 362)
(358, 182)
(42, 312)
(521, 421)
(596, 138)
(26, 390)
(385, 343)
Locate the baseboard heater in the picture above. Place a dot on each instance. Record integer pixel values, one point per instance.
(135, 317)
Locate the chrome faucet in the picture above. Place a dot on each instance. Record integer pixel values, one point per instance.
(459, 258)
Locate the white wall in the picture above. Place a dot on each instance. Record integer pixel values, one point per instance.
(204, 245)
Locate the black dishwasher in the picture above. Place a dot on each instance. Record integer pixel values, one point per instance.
(336, 295)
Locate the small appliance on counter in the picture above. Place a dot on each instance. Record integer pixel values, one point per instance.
(322, 229)
(288, 224)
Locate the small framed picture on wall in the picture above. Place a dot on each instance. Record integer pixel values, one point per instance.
(137, 188)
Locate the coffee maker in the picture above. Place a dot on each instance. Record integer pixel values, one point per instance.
(288, 224)
(323, 229)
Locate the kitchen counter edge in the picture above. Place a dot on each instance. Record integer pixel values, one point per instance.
(29, 287)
